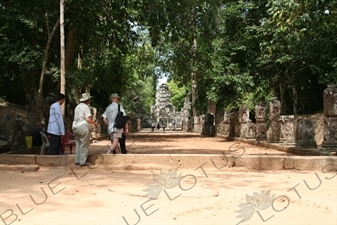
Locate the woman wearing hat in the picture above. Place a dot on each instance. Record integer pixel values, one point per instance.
(81, 129)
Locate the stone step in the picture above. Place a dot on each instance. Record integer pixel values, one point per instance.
(177, 161)
(20, 168)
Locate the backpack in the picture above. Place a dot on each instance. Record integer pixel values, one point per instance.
(120, 120)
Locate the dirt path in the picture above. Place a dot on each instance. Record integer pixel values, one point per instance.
(176, 142)
(210, 196)
(84, 196)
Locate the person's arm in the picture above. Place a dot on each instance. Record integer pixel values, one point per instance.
(88, 117)
(126, 129)
(105, 120)
(90, 121)
(59, 121)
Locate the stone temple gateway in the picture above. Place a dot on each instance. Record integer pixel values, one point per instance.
(164, 111)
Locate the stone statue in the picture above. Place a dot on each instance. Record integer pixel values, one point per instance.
(273, 133)
(275, 108)
(260, 111)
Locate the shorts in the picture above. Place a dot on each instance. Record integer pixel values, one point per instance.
(117, 134)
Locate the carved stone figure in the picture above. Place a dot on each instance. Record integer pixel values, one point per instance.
(244, 114)
(330, 120)
(274, 131)
(275, 109)
(260, 127)
(287, 129)
(330, 100)
(260, 111)
(305, 133)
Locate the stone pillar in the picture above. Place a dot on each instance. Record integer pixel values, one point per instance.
(93, 128)
(247, 129)
(237, 124)
(139, 125)
(208, 127)
(330, 119)
(226, 127)
(211, 107)
(305, 133)
(273, 134)
(260, 127)
(287, 129)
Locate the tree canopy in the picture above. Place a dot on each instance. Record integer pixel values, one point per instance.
(230, 52)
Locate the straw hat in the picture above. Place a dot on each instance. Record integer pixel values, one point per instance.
(114, 95)
(85, 96)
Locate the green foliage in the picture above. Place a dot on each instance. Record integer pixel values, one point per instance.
(178, 94)
(246, 51)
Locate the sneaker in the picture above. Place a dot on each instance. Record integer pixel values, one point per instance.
(85, 164)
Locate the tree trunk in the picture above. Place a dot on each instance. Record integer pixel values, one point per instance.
(62, 77)
(70, 48)
(295, 97)
(46, 53)
(193, 61)
(282, 98)
(211, 107)
(194, 79)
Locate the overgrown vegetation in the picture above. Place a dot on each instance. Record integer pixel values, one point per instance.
(232, 52)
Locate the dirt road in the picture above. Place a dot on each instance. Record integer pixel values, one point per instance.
(74, 195)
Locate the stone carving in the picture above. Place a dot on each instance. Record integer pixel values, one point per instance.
(330, 119)
(305, 133)
(273, 133)
(94, 129)
(244, 115)
(275, 109)
(287, 129)
(260, 117)
(163, 110)
(226, 127)
(187, 107)
(208, 127)
(260, 111)
(330, 100)
(247, 128)
(330, 131)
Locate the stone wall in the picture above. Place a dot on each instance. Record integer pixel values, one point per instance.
(14, 126)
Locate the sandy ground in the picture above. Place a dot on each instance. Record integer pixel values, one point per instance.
(74, 195)
(176, 142)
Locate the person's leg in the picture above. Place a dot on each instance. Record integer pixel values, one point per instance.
(54, 142)
(110, 150)
(85, 142)
(114, 145)
(60, 146)
(77, 150)
(122, 143)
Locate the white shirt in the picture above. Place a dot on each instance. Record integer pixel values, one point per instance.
(55, 124)
(110, 114)
(82, 111)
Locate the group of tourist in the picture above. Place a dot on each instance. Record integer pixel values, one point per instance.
(81, 127)
(162, 124)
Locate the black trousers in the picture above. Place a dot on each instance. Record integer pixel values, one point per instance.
(55, 147)
(122, 143)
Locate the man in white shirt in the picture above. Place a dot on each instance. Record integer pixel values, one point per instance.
(109, 117)
(56, 126)
(81, 129)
